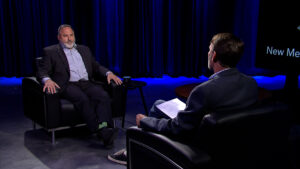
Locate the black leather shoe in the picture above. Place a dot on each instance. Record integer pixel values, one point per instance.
(108, 135)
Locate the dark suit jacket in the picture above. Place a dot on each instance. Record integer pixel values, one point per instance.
(55, 65)
(227, 91)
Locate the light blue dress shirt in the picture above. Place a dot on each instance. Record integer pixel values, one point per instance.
(76, 65)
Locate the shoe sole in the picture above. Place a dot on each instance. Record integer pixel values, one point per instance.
(116, 161)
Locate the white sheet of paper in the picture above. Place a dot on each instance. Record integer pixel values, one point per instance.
(172, 107)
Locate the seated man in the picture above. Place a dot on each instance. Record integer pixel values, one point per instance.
(69, 70)
(226, 90)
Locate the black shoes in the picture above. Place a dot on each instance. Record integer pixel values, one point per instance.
(119, 157)
(107, 135)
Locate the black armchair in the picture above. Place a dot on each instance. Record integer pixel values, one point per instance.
(54, 113)
(250, 139)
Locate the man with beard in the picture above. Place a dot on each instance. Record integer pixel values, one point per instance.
(69, 70)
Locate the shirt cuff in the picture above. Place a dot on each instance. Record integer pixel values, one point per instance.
(107, 73)
(45, 79)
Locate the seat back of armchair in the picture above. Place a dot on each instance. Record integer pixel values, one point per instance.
(252, 138)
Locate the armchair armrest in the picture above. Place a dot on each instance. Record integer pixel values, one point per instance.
(151, 150)
(36, 103)
(118, 95)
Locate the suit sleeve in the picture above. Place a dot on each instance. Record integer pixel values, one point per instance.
(97, 68)
(186, 120)
(44, 66)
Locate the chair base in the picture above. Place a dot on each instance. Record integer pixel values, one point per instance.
(67, 127)
(53, 130)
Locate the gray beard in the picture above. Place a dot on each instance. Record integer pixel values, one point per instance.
(70, 46)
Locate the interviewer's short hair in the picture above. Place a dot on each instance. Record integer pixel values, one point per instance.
(63, 26)
(229, 49)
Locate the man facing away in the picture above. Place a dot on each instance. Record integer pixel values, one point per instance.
(69, 70)
(226, 90)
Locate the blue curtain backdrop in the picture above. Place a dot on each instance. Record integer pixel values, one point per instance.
(140, 38)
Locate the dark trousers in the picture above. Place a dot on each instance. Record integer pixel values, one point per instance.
(91, 100)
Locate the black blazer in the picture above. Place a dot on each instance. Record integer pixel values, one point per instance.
(55, 65)
(228, 91)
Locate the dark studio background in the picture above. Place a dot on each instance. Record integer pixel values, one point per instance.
(140, 38)
(144, 39)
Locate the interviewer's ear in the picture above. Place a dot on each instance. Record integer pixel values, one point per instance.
(214, 57)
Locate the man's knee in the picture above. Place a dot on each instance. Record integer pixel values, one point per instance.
(83, 99)
(102, 97)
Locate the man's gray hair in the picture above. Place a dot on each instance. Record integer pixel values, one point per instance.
(63, 26)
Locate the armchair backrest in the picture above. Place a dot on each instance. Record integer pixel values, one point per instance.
(37, 64)
(252, 138)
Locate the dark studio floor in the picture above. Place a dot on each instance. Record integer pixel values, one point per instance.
(21, 147)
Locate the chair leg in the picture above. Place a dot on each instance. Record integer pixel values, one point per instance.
(144, 102)
(124, 106)
(114, 123)
(33, 125)
(53, 137)
(123, 120)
